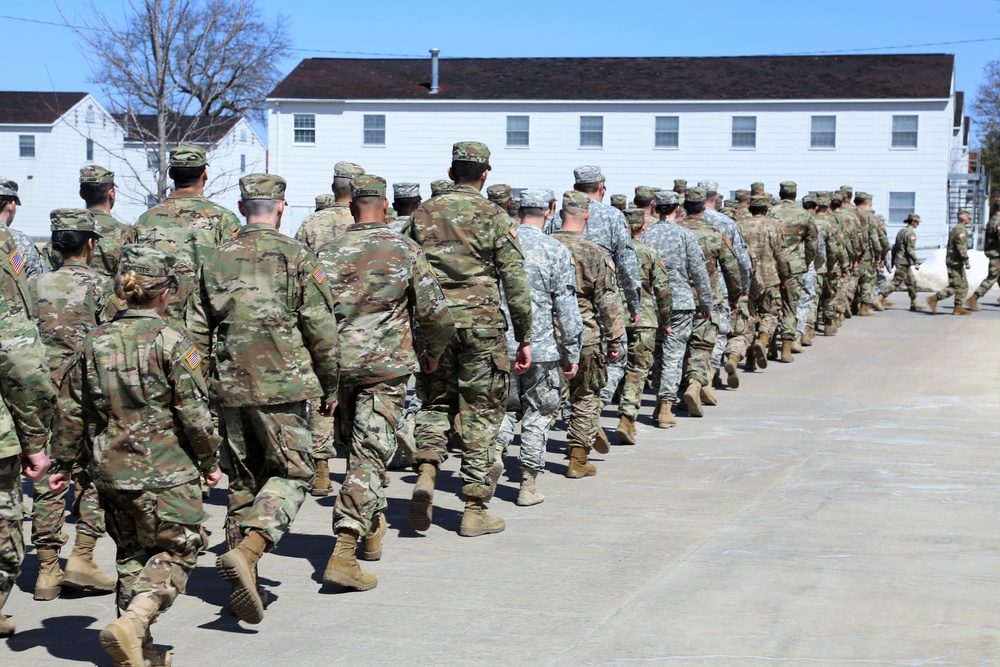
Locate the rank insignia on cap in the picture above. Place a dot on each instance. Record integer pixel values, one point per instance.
(192, 358)
(319, 275)
(513, 231)
(17, 261)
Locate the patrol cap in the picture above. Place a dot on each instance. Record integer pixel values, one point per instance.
(822, 200)
(760, 200)
(696, 195)
(367, 185)
(679, 185)
(551, 194)
(146, 260)
(666, 197)
(729, 203)
(742, 195)
(635, 217)
(588, 173)
(809, 199)
(847, 188)
(325, 201)
(515, 203)
(575, 199)
(709, 185)
(440, 186)
(787, 187)
(964, 211)
(345, 169)
(645, 192)
(619, 200)
(535, 198)
(188, 156)
(913, 217)
(499, 193)
(95, 174)
(72, 220)
(824, 193)
(863, 196)
(837, 196)
(262, 186)
(405, 190)
(757, 185)
(470, 151)
(8, 188)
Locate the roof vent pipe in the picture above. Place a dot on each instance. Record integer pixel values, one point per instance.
(434, 71)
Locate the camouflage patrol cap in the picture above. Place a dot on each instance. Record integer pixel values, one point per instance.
(619, 201)
(756, 185)
(550, 193)
(146, 260)
(95, 174)
(499, 193)
(635, 217)
(575, 199)
(760, 200)
(863, 196)
(729, 203)
(325, 201)
(188, 156)
(824, 193)
(787, 187)
(345, 169)
(645, 192)
(965, 212)
(440, 186)
(837, 196)
(680, 185)
(470, 151)
(847, 188)
(696, 195)
(368, 185)
(742, 195)
(588, 173)
(666, 197)
(515, 203)
(709, 185)
(72, 220)
(822, 200)
(262, 186)
(913, 217)
(405, 190)
(809, 199)
(8, 188)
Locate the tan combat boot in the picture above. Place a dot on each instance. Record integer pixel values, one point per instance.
(81, 570)
(371, 545)
(707, 396)
(238, 567)
(786, 352)
(717, 379)
(914, 306)
(421, 506)
(322, 486)
(972, 303)
(626, 430)
(665, 415)
(732, 371)
(343, 570)
(932, 303)
(601, 443)
(959, 310)
(807, 337)
(879, 303)
(579, 464)
(123, 639)
(797, 344)
(529, 494)
(760, 349)
(692, 399)
(50, 575)
(831, 328)
(476, 522)
(155, 657)
(7, 627)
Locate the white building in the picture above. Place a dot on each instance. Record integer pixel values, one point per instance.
(45, 138)
(884, 124)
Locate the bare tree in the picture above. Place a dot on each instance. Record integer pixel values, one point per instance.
(179, 71)
(987, 109)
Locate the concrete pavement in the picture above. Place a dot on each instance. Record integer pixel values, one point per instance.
(840, 510)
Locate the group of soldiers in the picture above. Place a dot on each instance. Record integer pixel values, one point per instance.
(142, 362)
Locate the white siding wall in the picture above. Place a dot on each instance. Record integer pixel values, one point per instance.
(419, 138)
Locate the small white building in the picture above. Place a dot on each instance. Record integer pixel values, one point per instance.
(881, 123)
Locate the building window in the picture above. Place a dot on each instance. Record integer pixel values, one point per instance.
(517, 131)
(26, 145)
(668, 132)
(592, 131)
(744, 132)
(374, 130)
(88, 115)
(305, 128)
(243, 164)
(904, 131)
(243, 136)
(901, 204)
(824, 132)
(152, 161)
(90, 150)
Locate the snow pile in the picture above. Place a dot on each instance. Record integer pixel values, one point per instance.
(933, 274)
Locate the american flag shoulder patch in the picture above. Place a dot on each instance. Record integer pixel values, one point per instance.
(17, 262)
(514, 231)
(319, 275)
(192, 358)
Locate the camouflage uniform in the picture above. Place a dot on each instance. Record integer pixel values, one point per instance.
(324, 225)
(904, 257)
(472, 247)
(955, 259)
(34, 264)
(265, 312)
(730, 325)
(381, 279)
(991, 248)
(13, 273)
(800, 239)
(837, 264)
(871, 256)
(766, 244)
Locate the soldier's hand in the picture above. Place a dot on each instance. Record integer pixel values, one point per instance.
(326, 409)
(427, 365)
(614, 353)
(523, 359)
(35, 465)
(704, 313)
(58, 482)
(213, 478)
(968, 266)
(636, 318)
(666, 330)
(570, 370)
(916, 267)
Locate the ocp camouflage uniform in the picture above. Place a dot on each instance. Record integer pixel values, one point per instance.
(766, 244)
(800, 240)
(856, 241)
(811, 282)
(107, 249)
(955, 259)
(870, 257)
(991, 248)
(13, 273)
(34, 264)
(730, 325)
(321, 227)
(603, 321)
(904, 257)
(381, 279)
(837, 264)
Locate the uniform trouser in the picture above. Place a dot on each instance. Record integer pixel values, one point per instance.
(48, 513)
(768, 307)
(616, 370)
(366, 424)
(585, 399)
(789, 307)
(958, 284)
(848, 287)
(267, 455)
(640, 359)
(866, 282)
(672, 349)
(158, 533)
(991, 277)
(470, 384)
(322, 430)
(697, 361)
(722, 311)
(534, 398)
(813, 318)
(11, 535)
(880, 281)
(806, 300)
(742, 329)
(830, 303)
(902, 276)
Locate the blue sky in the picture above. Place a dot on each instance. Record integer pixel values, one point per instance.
(40, 56)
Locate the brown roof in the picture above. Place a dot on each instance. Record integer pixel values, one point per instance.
(909, 76)
(190, 129)
(35, 108)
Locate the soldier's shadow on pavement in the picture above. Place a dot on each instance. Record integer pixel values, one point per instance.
(206, 585)
(68, 638)
(398, 509)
